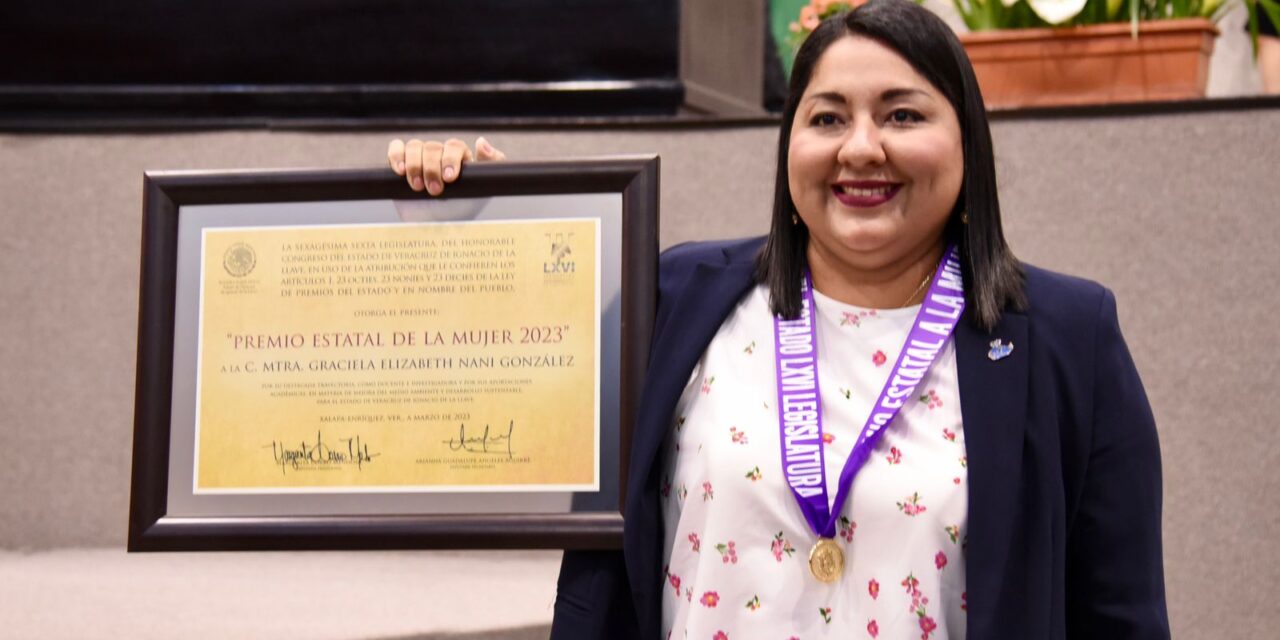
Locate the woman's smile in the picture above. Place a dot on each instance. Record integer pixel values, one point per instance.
(864, 193)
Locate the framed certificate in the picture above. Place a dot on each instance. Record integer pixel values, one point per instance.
(329, 360)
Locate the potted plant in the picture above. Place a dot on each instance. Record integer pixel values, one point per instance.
(1061, 52)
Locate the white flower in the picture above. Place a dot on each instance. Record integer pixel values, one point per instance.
(1057, 11)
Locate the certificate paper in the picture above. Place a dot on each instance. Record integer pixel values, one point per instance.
(426, 357)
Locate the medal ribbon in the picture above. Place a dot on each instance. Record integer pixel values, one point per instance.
(800, 397)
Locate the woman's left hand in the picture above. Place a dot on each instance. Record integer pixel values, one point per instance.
(432, 164)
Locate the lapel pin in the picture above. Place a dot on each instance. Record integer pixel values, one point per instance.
(999, 350)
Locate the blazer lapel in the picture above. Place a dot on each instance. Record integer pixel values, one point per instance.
(993, 404)
(711, 293)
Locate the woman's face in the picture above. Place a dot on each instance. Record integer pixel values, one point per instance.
(876, 160)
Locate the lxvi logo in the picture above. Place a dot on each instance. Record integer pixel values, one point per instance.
(561, 260)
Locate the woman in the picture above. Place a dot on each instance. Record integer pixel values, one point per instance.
(982, 461)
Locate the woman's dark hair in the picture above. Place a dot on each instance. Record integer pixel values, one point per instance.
(993, 278)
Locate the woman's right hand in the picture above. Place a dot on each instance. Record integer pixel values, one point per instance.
(432, 164)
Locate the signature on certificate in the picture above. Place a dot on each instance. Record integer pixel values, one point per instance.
(320, 454)
(487, 442)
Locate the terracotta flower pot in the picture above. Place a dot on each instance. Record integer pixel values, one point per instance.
(1095, 64)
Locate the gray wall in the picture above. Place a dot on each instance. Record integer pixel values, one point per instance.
(1177, 213)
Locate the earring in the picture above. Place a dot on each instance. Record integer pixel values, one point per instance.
(964, 217)
(795, 219)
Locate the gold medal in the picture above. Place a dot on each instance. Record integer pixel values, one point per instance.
(826, 560)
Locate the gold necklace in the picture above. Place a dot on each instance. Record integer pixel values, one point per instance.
(913, 293)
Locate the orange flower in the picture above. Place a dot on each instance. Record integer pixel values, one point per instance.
(809, 19)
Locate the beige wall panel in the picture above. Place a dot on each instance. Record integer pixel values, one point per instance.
(1180, 215)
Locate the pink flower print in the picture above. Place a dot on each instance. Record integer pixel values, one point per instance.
(826, 614)
(873, 629)
(739, 437)
(912, 506)
(682, 492)
(895, 456)
(940, 560)
(750, 349)
(855, 319)
(948, 434)
(873, 588)
(753, 603)
(754, 474)
(964, 601)
(846, 528)
(827, 438)
(666, 487)
(710, 599)
(707, 493)
(918, 605)
(964, 462)
(780, 546)
(728, 553)
(688, 594)
(720, 635)
(927, 625)
(675, 583)
(912, 585)
(696, 542)
(878, 358)
(953, 532)
(955, 480)
(706, 384)
(931, 398)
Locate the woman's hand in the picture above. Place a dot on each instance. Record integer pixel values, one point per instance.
(432, 164)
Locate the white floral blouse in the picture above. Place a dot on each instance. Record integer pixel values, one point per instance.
(736, 559)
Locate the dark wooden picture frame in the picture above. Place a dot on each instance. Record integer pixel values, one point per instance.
(153, 528)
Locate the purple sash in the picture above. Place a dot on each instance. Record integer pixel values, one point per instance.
(800, 399)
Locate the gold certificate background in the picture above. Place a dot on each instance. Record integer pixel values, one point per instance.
(373, 356)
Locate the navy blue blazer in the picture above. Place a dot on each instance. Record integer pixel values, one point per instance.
(1064, 466)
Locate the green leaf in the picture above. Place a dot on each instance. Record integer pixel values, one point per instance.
(966, 13)
(1220, 9)
(1272, 7)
